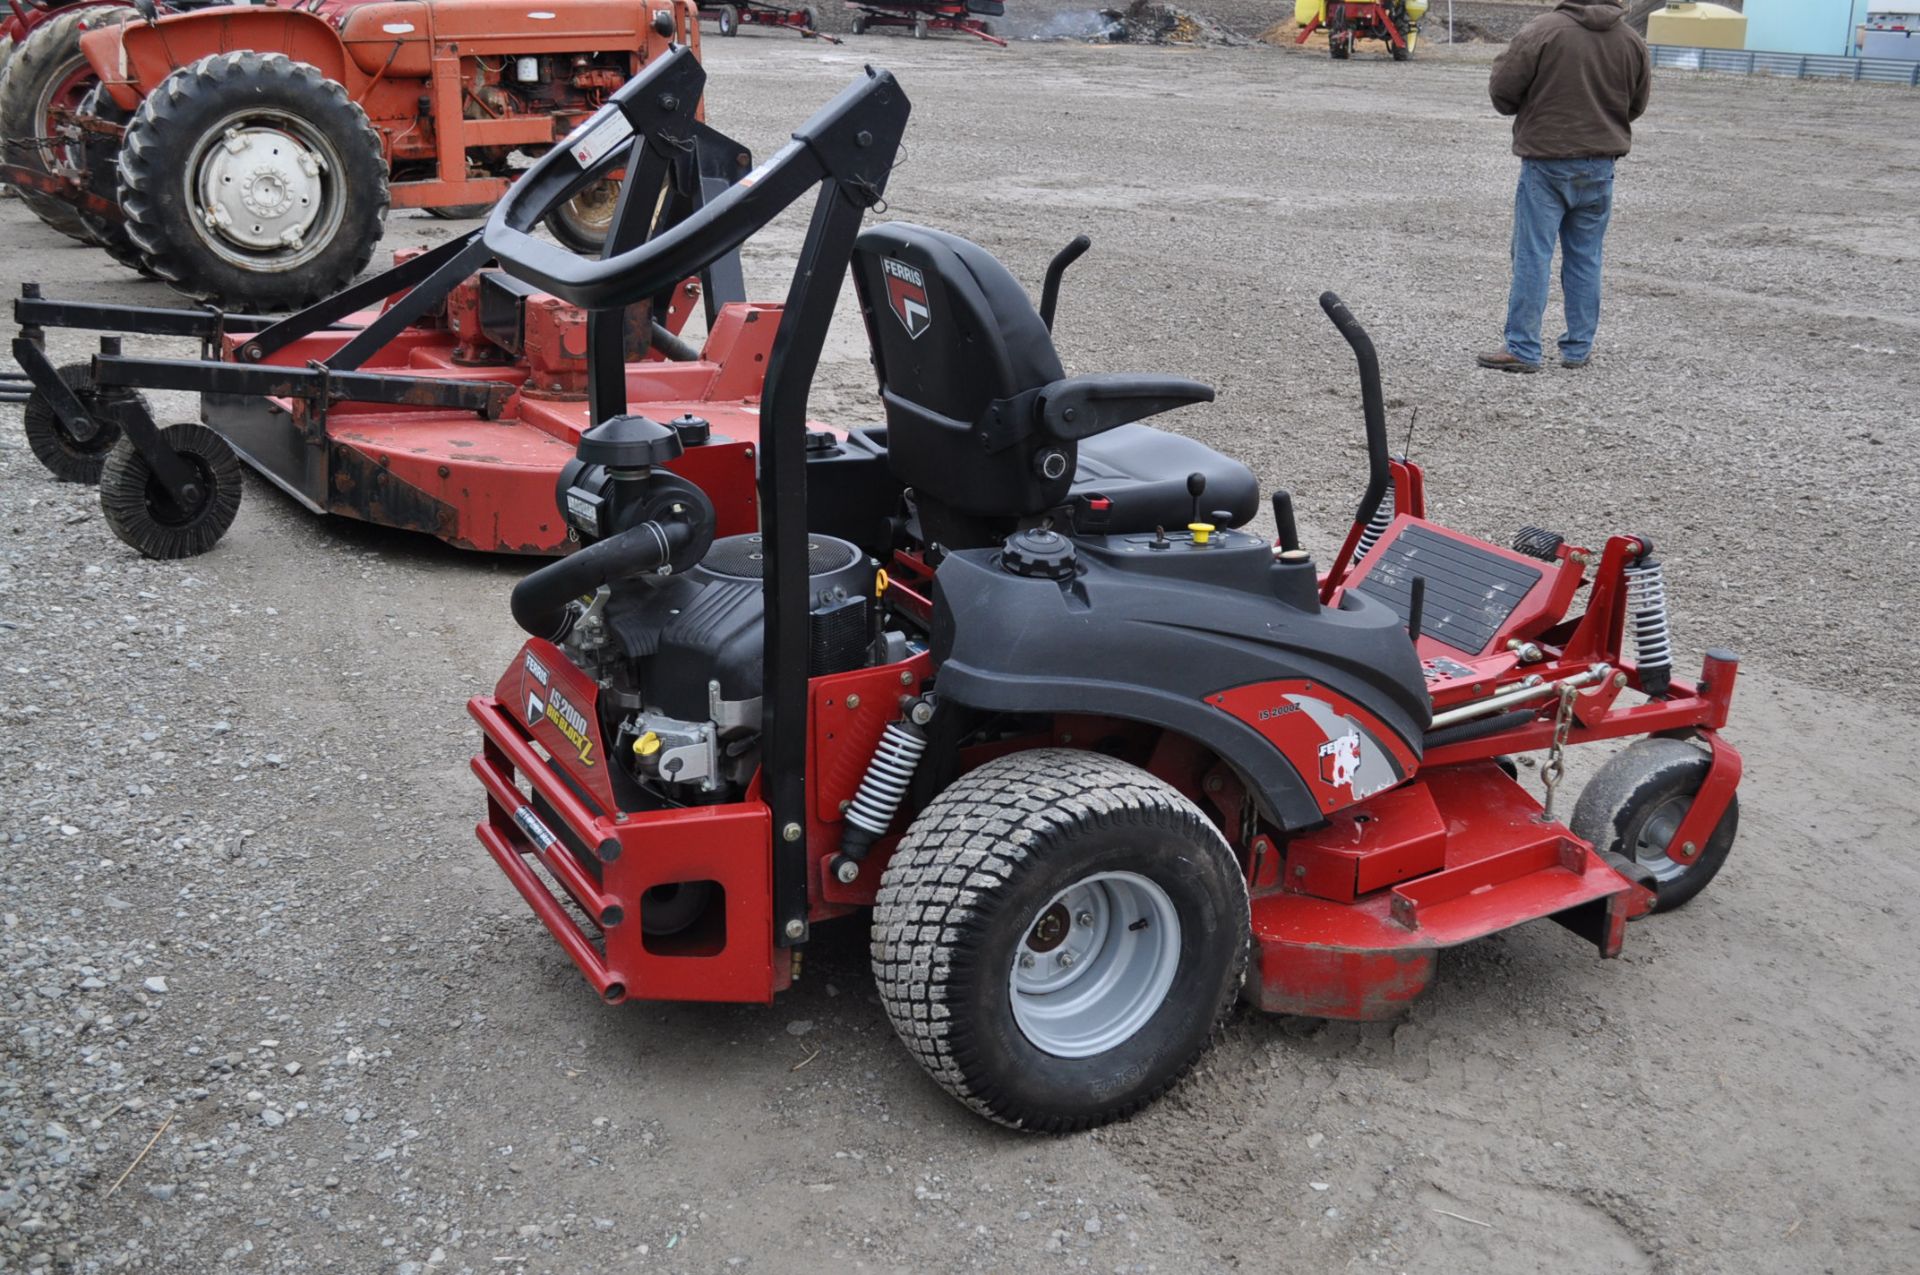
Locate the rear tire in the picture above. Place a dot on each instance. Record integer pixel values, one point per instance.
(583, 222)
(859, 24)
(48, 70)
(1633, 806)
(1058, 937)
(922, 28)
(66, 457)
(141, 513)
(810, 17)
(103, 169)
(289, 217)
(729, 21)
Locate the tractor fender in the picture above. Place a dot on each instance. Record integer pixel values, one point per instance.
(131, 59)
(1316, 709)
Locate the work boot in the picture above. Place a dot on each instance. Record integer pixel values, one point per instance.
(1582, 361)
(1502, 361)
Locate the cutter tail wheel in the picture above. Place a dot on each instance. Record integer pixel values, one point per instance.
(48, 75)
(250, 180)
(859, 24)
(581, 224)
(1099, 942)
(68, 458)
(145, 515)
(729, 20)
(1634, 805)
(922, 28)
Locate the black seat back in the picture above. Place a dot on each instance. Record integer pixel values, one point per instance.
(953, 333)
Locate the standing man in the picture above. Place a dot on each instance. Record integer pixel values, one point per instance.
(1574, 81)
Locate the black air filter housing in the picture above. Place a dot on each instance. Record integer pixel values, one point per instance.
(705, 625)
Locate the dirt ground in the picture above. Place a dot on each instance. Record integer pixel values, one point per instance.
(243, 909)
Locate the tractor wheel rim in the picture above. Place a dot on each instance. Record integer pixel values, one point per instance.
(1650, 848)
(1095, 964)
(66, 90)
(591, 211)
(264, 188)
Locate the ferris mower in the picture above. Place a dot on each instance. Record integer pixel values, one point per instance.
(1007, 672)
(248, 154)
(1395, 22)
(441, 396)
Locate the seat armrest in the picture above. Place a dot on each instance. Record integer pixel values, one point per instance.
(1082, 406)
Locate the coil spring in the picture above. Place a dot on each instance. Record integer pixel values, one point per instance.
(1652, 631)
(1376, 525)
(884, 786)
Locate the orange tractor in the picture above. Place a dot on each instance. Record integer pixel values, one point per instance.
(248, 154)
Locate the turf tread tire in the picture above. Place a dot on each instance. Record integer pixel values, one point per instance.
(160, 138)
(47, 48)
(127, 498)
(67, 459)
(939, 891)
(1632, 783)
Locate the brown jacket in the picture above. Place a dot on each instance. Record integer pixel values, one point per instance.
(1574, 80)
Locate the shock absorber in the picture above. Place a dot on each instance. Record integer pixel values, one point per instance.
(1376, 526)
(1647, 616)
(883, 787)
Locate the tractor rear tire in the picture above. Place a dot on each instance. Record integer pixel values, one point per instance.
(1340, 45)
(1633, 806)
(250, 180)
(47, 70)
(1058, 938)
(583, 222)
(729, 20)
(111, 235)
(142, 514)
(1401, 52)
(66, 457)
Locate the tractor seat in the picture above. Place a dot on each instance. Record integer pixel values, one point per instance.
(1134, 478)
(984, 424)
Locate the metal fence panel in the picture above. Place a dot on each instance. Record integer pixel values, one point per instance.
(1800, 66)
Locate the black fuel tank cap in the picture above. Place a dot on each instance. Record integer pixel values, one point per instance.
(1039, 553)
(629, 442)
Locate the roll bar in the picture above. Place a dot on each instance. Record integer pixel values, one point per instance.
(851, 141)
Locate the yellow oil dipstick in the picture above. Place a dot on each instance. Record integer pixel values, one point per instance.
(647, 745)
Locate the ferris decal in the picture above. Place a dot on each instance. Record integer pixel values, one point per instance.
(907, 295)
(1340, 760)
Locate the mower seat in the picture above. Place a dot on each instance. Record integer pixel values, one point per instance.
(984, 425)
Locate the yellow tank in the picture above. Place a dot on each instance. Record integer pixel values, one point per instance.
(1699, 26)
(1305, 11)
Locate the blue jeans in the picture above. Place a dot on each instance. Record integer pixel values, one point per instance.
(1569, 201)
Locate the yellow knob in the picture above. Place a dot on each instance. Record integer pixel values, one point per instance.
(880, 582)
(1202, 532)
(647, 745)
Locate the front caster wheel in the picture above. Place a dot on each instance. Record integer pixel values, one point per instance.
(1058, 937)
(1633, 807)
(144, 515)
(66, 457)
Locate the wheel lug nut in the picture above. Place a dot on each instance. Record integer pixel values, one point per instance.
(1026, 960)
(1066, 959)
(1083, 919)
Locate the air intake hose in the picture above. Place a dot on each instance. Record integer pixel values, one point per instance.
(540, 600)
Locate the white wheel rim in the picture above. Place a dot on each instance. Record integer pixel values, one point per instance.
(264, 189)
(1095, 964)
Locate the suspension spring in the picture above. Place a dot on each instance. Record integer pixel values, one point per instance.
(1376, 525)
(1652, 630)
(889, 773)
(882, 789)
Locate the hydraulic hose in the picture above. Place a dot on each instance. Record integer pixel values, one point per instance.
(540, 600)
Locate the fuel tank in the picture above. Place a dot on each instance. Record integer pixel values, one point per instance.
(1204, 634)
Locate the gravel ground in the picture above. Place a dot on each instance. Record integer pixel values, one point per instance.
(267, 1006)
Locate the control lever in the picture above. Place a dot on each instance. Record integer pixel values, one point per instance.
(1287, 532)
(1050, 288)
(1196, 488)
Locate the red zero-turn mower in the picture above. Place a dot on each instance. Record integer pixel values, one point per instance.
(441, 396)
(924, 17)
(1008, 673)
